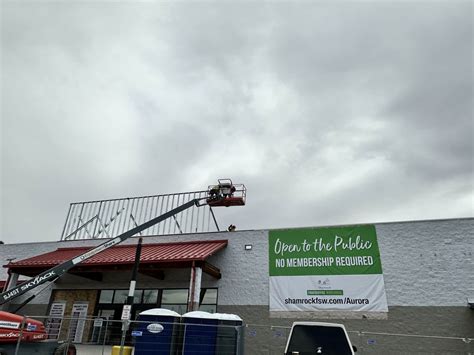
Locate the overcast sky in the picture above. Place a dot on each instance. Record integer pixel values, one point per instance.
(329, 112)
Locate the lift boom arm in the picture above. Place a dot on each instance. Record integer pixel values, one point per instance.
(60, 270)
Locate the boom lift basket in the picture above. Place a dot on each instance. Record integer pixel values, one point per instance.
(225, 193)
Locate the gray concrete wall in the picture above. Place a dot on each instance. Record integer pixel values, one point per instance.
(429, 263)
(428, 269)
(424, 262)
(396, 335)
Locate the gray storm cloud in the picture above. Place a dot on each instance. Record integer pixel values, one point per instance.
(330, 113)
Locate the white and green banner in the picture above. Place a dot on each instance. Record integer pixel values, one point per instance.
(336, 268)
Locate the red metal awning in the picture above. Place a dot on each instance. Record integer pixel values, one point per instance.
(159, 255)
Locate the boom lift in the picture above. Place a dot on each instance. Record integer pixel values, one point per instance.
(224, 194)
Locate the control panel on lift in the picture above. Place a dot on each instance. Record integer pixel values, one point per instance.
(226, 193)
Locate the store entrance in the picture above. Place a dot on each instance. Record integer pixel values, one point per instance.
(110, 331)
(111, 303)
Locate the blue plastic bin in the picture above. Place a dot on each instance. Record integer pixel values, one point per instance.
(212, 334)
(230, 334)
(157, 332)
(200, 333)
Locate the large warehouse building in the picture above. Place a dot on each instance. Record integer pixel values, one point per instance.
(399, 286)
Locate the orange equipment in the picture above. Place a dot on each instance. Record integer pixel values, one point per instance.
(225, 193)
(11, 326)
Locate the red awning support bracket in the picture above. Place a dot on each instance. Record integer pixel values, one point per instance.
(211, 270)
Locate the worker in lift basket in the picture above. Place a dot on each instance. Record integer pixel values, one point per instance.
(215, 192)
(227, 190)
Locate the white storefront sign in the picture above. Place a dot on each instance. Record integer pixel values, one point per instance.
(55, 320)
(79, 313)
(335, 268)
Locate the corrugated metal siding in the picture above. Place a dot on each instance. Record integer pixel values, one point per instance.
(125, 254)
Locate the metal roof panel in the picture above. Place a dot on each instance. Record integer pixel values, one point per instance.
(125, 254)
